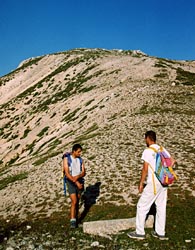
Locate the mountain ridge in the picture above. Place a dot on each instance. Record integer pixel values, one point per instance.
(103, 99)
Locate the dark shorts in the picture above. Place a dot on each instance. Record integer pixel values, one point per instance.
(72, 188)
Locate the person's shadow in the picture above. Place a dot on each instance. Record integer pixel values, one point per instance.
(152, 211)
(89, 198)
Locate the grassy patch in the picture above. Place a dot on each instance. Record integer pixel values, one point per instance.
(45, 143)
(43, 131)
(180, 227)
(26, 132)
(86, 137)
(86, 89)
(31, 146)
(161, 63)
(113, 117)
(161, 75)
(43, 159)
(13, 160)
(6, 181)
(88, 134)
(185, 77)
(83, 118)
(92, 108)
(89, 102)
(71, 116)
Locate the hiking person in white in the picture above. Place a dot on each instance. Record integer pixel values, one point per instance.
(149, 195)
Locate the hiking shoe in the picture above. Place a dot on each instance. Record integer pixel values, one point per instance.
(134, 235)
(160, 237)
(73, 224)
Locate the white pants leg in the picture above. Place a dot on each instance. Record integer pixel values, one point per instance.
(145, 202)
(161, 203)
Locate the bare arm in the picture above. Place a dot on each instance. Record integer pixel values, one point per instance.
(143, 177)
(66, 169)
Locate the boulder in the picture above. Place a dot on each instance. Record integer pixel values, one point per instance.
(106, 227)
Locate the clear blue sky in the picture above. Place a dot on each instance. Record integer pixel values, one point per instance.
(29, 28)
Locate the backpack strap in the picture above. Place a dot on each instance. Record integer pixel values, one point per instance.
(154, 149)
(69, 160)
(81, 163)
(153, 180)
(173, 173)
(65, 155)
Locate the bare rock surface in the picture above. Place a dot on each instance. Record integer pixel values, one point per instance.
(107, 227)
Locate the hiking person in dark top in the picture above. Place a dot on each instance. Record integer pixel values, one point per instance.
(74, 169)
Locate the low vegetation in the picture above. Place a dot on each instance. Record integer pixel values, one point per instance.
(10, 179)
(185, 77)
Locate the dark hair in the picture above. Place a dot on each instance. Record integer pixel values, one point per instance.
(76, 147)
(151, 134)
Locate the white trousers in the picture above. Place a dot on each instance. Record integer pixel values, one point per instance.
(145, 202)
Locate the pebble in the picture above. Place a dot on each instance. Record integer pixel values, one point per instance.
(11, 242)
(47, 243)
(31, 247)
(28, 227)
(95, 244)
(146, 244)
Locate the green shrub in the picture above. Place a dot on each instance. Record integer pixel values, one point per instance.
(82, 119)
(6, 181)
(161, 75)
(71, 116)
(45, 158)
(14, 159)
(43, 131)
(89, 102)
(26, 132)
(185, 77)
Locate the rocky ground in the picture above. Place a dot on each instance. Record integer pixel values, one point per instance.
(106, 100)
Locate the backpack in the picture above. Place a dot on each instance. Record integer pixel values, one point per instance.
(163, 168)
(68, 154)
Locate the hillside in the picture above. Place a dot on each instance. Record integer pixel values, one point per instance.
(103, 99)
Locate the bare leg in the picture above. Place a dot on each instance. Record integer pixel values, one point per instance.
(74, 199)
(77, 206)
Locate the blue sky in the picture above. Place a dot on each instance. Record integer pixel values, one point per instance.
(30, 28)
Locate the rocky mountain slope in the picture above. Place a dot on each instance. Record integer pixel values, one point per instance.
(103, 99)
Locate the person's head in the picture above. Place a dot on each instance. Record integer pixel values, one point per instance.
(76, 150)
(150, 137)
